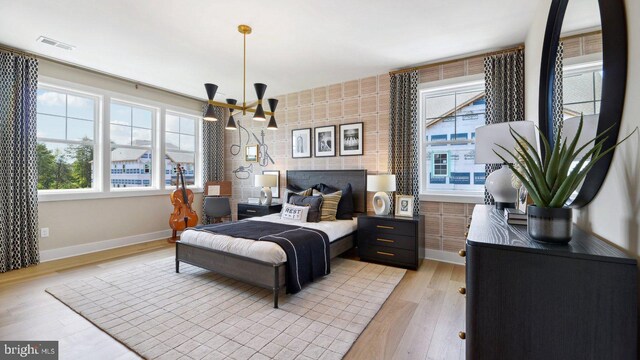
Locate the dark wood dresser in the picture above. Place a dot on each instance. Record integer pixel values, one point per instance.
(246, 210)
(392, 240)
(527, 300)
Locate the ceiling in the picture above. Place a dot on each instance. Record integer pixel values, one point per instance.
(295, 45)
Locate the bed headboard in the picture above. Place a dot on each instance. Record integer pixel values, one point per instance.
(305, 179)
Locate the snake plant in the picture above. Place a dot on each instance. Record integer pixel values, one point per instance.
(551, 181)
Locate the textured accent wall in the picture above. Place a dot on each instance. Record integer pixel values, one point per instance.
(364, 100)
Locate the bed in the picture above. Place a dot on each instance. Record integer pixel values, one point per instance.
(264, 266)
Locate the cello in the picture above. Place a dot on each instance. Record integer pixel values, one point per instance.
(183, 215)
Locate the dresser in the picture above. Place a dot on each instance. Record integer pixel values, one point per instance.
(246, 210)
(392, 240)
(527, 300)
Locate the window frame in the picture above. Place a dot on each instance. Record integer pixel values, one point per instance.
(80, 91)
(581, 65)
(102, 154)
(197, 150)
(458, 84)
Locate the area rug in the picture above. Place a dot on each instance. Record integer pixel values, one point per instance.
(200, 315)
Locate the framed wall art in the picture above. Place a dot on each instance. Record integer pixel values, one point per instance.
(351, 139)
(325, 141)
(301, 143)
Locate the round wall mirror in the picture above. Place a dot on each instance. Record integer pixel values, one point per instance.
(584, 72)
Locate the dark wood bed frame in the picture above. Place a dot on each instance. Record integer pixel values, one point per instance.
(265, 274)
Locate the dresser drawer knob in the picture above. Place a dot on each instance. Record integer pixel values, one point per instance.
(462, 253)
(385, 227)
(462, 335)
(466, 233)
(250, 211)
(385, 253)
(385, 240)
(462, 290)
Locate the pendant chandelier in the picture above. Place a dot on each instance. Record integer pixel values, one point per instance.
(232, 104)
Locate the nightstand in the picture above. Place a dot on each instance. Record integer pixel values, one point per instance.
(392, 240)
(246, 210)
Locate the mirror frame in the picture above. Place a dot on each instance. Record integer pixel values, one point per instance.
(614, 66)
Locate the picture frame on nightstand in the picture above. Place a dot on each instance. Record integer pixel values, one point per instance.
(404, 205)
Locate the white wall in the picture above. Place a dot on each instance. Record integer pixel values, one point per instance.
(79, 225)
(614, 214)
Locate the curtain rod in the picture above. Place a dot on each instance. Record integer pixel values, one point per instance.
(98, 72)
(438, 63)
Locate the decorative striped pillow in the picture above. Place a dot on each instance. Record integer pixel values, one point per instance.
(329, 205)
(306, 192)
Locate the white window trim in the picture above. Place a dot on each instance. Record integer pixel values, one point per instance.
(198, 145)
(440, 87)
(102, 155)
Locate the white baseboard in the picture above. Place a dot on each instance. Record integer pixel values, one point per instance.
(75, 250)
(444, 256)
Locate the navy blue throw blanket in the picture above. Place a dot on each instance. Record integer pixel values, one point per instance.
(308, 251)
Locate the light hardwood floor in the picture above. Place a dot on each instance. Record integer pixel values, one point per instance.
(420, 320)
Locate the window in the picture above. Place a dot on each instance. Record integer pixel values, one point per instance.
(449, 116)
(66, 124)
(93, 143)
(180, 131)
(131, 129)
(582, 89)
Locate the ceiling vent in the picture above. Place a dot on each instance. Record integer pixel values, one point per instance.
(56, 43)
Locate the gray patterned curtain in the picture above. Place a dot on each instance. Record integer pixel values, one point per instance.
(19, 175)
(504, 87)
(403, 135)
(558, 115)
(213, 151)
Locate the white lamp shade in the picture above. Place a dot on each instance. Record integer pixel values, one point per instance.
(266, 180)
(589, 131)
(488, 138)
(381, 183)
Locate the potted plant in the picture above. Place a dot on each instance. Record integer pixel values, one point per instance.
(551, 181)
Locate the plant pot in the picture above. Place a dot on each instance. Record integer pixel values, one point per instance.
(550, 225)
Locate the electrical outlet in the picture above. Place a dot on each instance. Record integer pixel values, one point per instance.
(44, 232)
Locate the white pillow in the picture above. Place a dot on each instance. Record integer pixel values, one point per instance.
(295, 212)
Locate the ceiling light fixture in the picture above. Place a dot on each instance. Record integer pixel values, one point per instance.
(254, 107)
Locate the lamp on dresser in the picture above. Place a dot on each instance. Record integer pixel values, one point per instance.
(266, 182)
(382, 184)
(491, 139)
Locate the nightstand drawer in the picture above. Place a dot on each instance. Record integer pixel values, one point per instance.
(251, 210)
(375, 238)
(391, 227)
(388, 254)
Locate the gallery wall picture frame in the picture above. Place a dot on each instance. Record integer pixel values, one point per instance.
(404, 205)
(275, 190)
(325, 141)
(251, 153)
(301, 143)
(352, 139)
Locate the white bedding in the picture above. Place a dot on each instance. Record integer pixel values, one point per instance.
(264, 250)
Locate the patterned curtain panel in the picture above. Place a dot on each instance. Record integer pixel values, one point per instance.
(213, 151)
(558, 115)
(504, 87)
(403, 135)
(19, 175)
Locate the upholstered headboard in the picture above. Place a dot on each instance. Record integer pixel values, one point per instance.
(337, 178)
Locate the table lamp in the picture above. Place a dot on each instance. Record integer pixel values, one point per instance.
(266, 182)
(488, 137)
(381, 184)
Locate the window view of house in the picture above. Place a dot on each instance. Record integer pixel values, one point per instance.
(131, 129)
(449, 120)
(65, 146)
(581, 91)
(180, 143)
